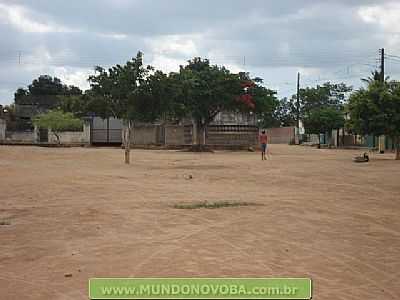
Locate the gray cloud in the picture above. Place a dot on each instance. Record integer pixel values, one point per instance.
(272, 39)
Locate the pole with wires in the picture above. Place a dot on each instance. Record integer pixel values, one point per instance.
(382, 65)
(298, 100)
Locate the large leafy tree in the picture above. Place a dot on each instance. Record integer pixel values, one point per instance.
(285, 113)
(258, 99)
(322, 107)
(127, 92)
(328, 94)
(202, 90)
(324, 120)
(44, 92)
(376, 110)
(155, 93)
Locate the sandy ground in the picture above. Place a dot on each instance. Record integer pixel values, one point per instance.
(82, 211)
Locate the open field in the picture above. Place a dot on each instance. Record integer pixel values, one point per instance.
(83, 212)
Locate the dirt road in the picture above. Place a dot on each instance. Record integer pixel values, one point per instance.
(83, 212)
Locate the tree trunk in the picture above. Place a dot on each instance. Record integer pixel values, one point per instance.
(397, 139)
(127, 141)
(199, 140)
(57, 137)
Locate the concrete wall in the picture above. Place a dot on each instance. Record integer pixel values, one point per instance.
(174, 135)
(232, 138)
(216, 135)
(235, 118)
(32, 137)
(21, 136)
(145, 134)
(72, 137)
(281, 135)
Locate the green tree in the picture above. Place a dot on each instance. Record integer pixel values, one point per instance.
(202, 90)
(44, 91)
(58, 121)
(127, 92)
(328, 94)
(263, 101)
(322, 107)
(285, 113)
(375, 76)
(324, 120)
(83, 105)
(376, 110)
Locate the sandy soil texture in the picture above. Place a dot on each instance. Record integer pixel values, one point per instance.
(83, 212)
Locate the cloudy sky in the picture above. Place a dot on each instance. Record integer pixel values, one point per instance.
(336, 40)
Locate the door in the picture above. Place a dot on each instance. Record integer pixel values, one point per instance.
(43, 135)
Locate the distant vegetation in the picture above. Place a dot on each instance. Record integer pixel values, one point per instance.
(58, 122)
(199, 90)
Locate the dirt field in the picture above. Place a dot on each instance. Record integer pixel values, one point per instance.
(83, 212)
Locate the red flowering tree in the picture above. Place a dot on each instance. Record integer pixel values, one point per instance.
(258, 99)
(246, 97)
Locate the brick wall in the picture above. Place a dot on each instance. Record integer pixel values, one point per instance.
(281, 135)
(240, 135)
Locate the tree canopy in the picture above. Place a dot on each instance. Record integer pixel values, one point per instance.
(129, 92)
(376, 110)
(204, 90)
(58, 121)
(117, 90)
(44, 91)
(322, 107)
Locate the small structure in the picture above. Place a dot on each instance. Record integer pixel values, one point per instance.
(44, 137)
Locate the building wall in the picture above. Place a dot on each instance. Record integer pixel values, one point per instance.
(145, 134)
(240, 135)
(32, 137)
(21, 136)
(235, 118)
(174, 135)
(73, 137)
(281, 135)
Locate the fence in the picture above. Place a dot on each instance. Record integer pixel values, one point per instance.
(20, 136)
(240, 135)
(146, 134)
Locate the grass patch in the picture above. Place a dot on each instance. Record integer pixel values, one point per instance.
(214, 205)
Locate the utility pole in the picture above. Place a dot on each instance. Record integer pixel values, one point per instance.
(383, 65)
(298, 100)
(381, 139)
(19, 57)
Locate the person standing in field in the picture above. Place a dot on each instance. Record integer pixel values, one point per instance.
(264, 144)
